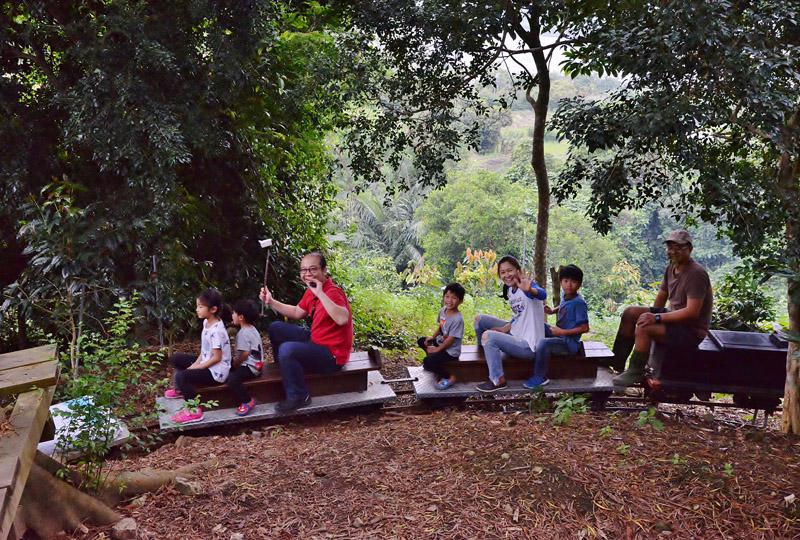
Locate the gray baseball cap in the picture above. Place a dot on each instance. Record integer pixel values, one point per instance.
(679, 237)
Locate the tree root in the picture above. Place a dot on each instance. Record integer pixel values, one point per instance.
(50, 505)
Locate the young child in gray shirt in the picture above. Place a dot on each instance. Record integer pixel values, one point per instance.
(445, 344)
(248, 359)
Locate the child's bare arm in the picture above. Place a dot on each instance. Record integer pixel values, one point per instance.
(578, 330)
(216, 357)
(448, 340)
(196, 363)
(239, 359)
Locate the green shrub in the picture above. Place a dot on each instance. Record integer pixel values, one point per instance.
(742, 303)
(395, 320)
(115, 375)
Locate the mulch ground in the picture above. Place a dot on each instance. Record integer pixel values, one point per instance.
(478, 473)
(468, 474)
(489, 472)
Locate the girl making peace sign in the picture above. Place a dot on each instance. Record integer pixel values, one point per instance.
(518, 336)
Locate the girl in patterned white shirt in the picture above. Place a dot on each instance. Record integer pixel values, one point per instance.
(211, 366)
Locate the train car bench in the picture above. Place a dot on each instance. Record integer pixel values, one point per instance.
(579, 373)
(359, 383)
(749, 365)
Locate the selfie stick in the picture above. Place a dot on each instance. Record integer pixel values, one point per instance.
(265, 244)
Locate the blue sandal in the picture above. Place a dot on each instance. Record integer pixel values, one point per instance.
(443, 384)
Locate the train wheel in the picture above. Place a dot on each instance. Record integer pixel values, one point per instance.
(598, 400)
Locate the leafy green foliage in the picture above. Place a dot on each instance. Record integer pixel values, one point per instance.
(539, 402)
(741, 303)
(568, 405)
(678, 460)
(702, 144)
(184, 130)
(115, 373)
(728, 471)
(479, 211)
(478, 273)
(650, 418)
(384, 225)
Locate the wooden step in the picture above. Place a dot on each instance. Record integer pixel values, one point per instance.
(353, 377)
(471, 365)
(376, 393)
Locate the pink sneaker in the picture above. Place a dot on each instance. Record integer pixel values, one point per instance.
(187, 416)
(173, 393)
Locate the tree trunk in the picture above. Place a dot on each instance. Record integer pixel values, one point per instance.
(540, 106)
(790, 419)
(789, 180)
(49, 506)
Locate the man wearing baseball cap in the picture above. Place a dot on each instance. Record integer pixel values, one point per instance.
(683, 325)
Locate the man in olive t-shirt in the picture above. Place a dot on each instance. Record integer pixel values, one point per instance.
(683, 325)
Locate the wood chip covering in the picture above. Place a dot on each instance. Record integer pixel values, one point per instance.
(479, 474)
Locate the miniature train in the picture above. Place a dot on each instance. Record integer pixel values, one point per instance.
(750, 366)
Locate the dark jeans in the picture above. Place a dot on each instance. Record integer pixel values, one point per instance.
(434, 362)
(297, 355)
(187, 379)
(546, 347)
(235, 382)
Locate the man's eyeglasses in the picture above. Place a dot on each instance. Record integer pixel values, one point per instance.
(309, 270)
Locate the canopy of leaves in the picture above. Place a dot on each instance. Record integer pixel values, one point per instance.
(433, 59)
(705, 113)
(185, 129)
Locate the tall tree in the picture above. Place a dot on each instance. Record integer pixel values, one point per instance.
(389, 227)
(436, 56)
(188, 130)
(710, 110)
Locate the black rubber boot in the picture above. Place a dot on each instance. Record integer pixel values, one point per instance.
(635, 372)
(623, 345)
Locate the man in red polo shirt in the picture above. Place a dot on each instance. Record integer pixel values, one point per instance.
(324, 349)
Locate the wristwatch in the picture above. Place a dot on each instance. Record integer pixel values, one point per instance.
(658, 318)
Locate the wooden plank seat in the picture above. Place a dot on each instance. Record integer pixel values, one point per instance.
(725, 361)
(21, 371)
(353, 377)
(471, 365)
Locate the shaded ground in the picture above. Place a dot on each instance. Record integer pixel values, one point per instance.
(480, 474)
(496, 472)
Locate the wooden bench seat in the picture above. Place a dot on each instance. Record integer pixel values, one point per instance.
(471, 365)
(269, 388)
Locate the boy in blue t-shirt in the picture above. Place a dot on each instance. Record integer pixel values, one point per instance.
(565, 337)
